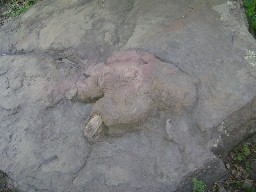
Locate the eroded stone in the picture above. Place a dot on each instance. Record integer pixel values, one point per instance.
(132, 86)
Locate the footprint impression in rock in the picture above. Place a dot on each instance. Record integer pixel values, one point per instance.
(129, 87)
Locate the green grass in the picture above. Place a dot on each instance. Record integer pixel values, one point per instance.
(250, 11)
(243, 153)
(198, 185)
(16, 7)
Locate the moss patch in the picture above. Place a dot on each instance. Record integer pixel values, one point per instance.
(250, 11)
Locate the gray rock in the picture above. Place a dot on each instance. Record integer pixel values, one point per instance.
(194, 101)
(41, 132)
(222, 189)
(247, 184)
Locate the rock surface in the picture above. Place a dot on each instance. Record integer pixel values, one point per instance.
(174, 83)
(94, 128)
(133, 86)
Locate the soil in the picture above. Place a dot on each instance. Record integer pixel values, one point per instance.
(3, 9)
(4, 184)
(241, 167)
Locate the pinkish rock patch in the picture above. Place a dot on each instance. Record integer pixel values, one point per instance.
(132, 86)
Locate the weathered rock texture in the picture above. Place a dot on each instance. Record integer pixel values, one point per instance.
(174, 82)
(131, 86)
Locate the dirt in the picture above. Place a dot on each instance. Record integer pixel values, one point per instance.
(241, 167)
(4, 184)
(3, 9)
